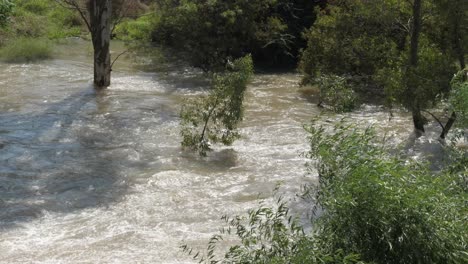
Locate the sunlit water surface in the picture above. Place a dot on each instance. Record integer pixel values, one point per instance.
(101, 178)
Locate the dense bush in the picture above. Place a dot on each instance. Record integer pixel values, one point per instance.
(387, 209)
(368, 41)
(134, 29)
(26, 50)
(353, 37)
(6, 7)
(459, 97)
(211, 31)
(375, 208)
(337, 93)
(214, 118)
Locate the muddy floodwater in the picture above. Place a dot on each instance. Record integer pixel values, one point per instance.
(100, 177)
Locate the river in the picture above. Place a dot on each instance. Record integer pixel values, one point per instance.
(100, 177)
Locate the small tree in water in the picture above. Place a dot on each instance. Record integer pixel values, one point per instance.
(214, 118)
(96, 14)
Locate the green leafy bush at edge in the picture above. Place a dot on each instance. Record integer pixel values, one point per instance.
(376, 208)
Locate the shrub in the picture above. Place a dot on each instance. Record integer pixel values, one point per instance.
(6, 6)
(214, 118)
(43, 18)
(387, 209)
(269, 235)
(336, 92)
(459, 97)
(375, 208)
(39, 7)
(26, 50)
(139, 29)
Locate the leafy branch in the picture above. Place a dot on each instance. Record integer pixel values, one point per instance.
(214, 118)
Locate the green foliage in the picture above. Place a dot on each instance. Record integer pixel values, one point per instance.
(352, 37)
(6, 7)
(39, 7)
(269, 235)
(459, 97)
(43, 18)
(457, 164)
(138, 29)
(214, 118)
(387, 209)
(26, 50)
(375, 208)
(337, 93)
(368, 41)
(425, 85)
(446, 27)
(209, 31)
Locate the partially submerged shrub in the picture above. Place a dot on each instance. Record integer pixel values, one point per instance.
(269, 235)
(385, 208)
(375, 208)
(214, 118)
(337, 93)
(26, 50)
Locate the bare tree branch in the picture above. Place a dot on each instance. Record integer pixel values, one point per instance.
(116, 58)
(73, 4)
(436, 119)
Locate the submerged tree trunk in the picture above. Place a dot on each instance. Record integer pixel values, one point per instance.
(418, 118)
(457, 39)
(448, 125)
(100, 22)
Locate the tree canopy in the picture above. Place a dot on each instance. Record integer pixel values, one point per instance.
(209, 31)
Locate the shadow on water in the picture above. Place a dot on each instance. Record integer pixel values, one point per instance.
(59, 160)
(428, 148)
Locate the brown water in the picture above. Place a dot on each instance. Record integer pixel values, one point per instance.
(101, 178)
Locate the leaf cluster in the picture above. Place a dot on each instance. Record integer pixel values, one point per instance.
(6, 7)
(214, 118)
(383, 207)
(337, 92)
(269, 235)
(459, 97)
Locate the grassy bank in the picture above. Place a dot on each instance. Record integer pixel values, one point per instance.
(32, 28)
(25, 49)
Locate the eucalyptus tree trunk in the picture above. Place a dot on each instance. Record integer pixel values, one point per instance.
(100, 12)
(418, 119)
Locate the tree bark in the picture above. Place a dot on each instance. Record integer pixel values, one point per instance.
(100, 12)
(448, 125)
(418, 119)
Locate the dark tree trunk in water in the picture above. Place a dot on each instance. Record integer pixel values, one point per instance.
(418, 118)
(418, 121)
(100, 17)
(449, 125)
(461, 59)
